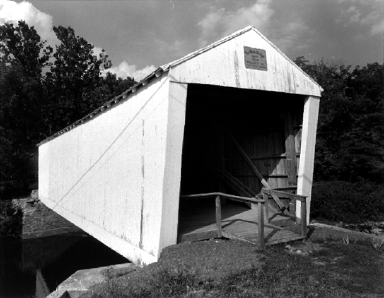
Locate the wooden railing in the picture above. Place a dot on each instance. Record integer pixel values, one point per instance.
(266, 192)
(218, 195)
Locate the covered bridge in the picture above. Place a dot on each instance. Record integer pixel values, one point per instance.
(234, 121)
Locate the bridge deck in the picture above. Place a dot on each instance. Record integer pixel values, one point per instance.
(238, 222)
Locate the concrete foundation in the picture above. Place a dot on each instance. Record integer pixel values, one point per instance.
(80, 282)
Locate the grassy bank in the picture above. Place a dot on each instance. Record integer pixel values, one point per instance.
(330, 264)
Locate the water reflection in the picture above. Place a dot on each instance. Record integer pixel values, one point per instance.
(35, 267)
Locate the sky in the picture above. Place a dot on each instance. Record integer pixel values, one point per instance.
(140, 35)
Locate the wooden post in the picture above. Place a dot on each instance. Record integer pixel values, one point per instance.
(261, 225)
(307, 155)
(218, 217)
(290, 149)
(265, 197)
(304, 218)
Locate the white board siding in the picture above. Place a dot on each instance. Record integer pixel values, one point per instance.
(224, 66)
(117, 176)
(307, 154)
(106, 176)
(172, 176)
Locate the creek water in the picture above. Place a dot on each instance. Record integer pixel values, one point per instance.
(35, 267)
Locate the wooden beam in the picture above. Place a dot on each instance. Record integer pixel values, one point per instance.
(266, 205)
(261, 225)
(290, 148)
(223, 195)
(248, 160)
(304, 219)
(218, 217)
(233, 236)
(255, 170)
(291, 189)
(237, 185)
(277, 156)
(283, 194)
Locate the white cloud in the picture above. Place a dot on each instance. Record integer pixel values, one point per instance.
(362, 12)
(376, 21)
(124, 69)
(219, 23)
(11, 11)
(378, 27)
(290, 36)
(286, 35)
(174, 49)
(97, 51)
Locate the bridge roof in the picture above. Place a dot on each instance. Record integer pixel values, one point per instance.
(280, 75)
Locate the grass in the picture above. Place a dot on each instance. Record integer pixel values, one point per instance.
(324, 266)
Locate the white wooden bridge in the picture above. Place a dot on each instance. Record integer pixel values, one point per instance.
(236, 118)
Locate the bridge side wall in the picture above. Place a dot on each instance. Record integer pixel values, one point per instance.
(107, 175)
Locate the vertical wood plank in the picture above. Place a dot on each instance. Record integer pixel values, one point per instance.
(177, 103)
(266, 206)
(218, 217)
(248, 160)
(290, 148)
(261, 225)
(304, 219)
(307, 154)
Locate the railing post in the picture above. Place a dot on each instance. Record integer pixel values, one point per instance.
(304, 218)
(261, 224)
(218, 216)
(265, 197)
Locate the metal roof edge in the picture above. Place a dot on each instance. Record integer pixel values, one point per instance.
(164, 68)
(107, 105)
(143, 82)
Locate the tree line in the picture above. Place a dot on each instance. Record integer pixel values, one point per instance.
(43, 90)
(350, 132)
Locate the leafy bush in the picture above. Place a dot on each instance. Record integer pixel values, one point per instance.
(11, 218)
(347, 202)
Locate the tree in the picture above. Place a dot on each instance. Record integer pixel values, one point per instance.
(22, 57)
(75, 72)
(351, 124)
(35, 104)
(22, 46)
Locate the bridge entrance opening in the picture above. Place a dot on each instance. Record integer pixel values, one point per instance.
(226, 129)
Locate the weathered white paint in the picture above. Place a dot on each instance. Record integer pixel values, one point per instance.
(106, 176)
(117, 176)
(224, 65)
(172, 176)
(307, 154)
